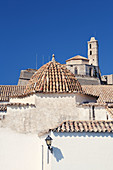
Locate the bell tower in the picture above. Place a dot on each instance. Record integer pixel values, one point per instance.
(93, 52)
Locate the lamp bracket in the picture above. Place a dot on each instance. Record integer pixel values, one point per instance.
(50, 148)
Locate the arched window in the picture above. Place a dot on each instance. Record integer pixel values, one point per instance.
(90, 52)
(91, 71)
(76, 71)
(95, 72)
(90, 46)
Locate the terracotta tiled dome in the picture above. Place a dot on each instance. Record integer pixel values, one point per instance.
(53, 77)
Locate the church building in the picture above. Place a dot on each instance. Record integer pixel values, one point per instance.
(86, 69)
(56, 105)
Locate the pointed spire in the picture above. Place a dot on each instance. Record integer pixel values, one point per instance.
(53, 58)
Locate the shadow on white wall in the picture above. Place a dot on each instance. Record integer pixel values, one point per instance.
(57, 154)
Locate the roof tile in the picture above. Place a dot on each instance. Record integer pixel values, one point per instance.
(78, 57)
(85, 126)
(53, 77)
(10, 90)
(105, 92)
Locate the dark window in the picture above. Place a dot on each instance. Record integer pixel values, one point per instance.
(93, 112)
(90, 52)
(90, 46)
(91, 71)
(95, 72)
(76, 71)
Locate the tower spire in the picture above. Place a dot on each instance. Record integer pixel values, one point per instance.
(93, 51)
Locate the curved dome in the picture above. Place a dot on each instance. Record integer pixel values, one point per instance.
(53, 77)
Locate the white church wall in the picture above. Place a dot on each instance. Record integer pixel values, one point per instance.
(71, 68)
(28, 99)
(83, 114)
(99, 113)
(91, 151)
(19, 151)
(50, 110)
(80, 68)
(55, 108)
(74, 62)
(20, 119)
(46, 154)
(81, 98)
(77, 62)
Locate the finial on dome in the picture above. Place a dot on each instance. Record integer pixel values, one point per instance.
(53, 58)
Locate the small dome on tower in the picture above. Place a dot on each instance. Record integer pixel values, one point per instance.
(53, 77)
(93, 39)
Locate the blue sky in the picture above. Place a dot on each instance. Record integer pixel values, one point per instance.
(44, 27)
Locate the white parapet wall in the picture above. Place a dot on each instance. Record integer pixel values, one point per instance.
(28, 99)
(49, 111)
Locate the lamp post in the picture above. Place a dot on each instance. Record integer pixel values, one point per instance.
(49, 142)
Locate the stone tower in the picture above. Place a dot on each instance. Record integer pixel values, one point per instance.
(93, 51)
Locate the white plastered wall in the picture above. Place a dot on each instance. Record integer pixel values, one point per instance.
(50, 111)
(100, 113)
(81, 70)
(19, 151)
(77, 62)
(81, 98)
(28, 99)
(56, 108)
(88, 151)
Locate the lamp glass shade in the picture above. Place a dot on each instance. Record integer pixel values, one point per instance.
(48, 140)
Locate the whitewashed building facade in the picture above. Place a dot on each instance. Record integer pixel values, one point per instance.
(52, 96)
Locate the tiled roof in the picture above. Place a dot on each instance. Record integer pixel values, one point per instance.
(105, 92)
(10, 90)
(53, 77)
(85, 126)
(78, 57)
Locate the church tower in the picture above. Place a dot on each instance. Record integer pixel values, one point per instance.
(93, 51)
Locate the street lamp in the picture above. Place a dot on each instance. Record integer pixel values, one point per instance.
(48, 142)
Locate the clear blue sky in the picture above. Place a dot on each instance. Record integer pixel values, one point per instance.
(62, 27)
